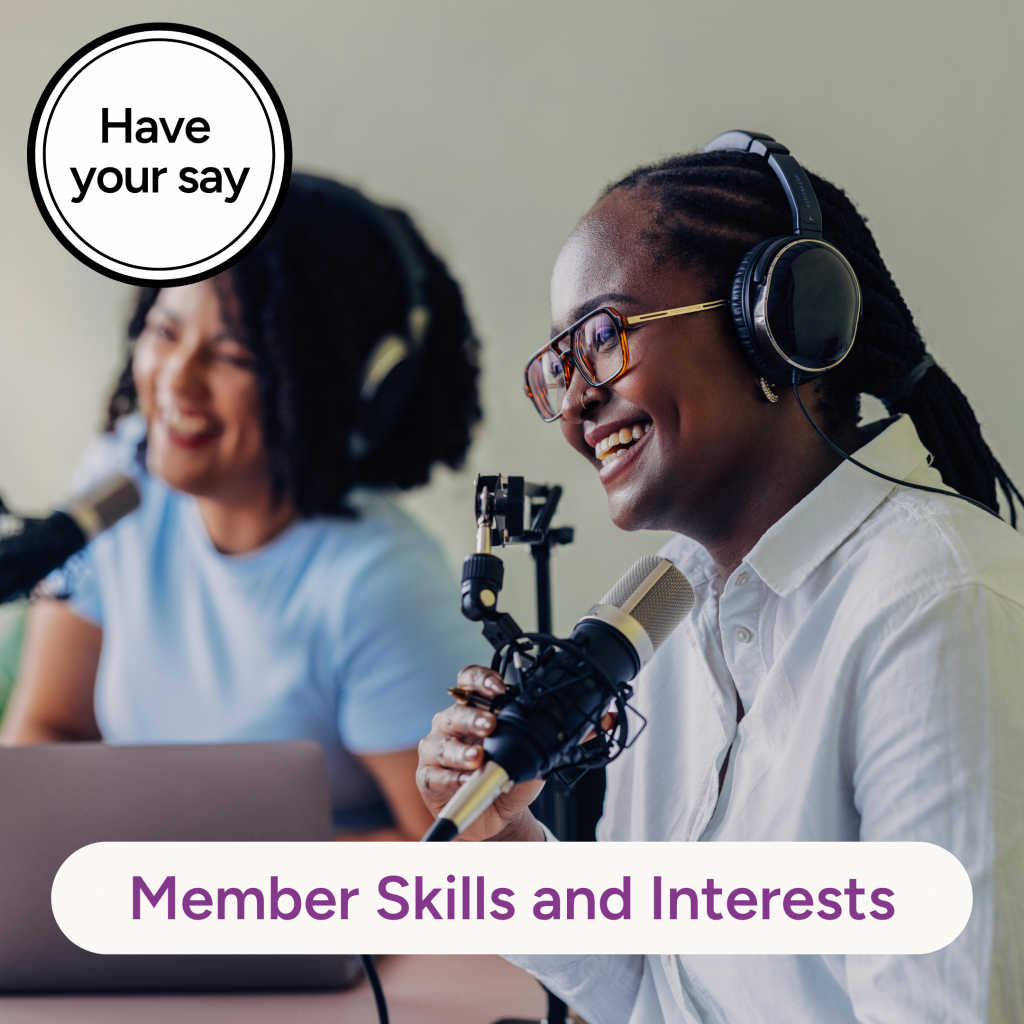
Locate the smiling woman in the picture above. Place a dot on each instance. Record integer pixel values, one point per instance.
(851, 669)
(268, 588)
(197, 389)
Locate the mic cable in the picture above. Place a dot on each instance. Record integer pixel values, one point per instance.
(378, 992)
(875, 472)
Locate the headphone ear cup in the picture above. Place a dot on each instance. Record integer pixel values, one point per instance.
(744, 296)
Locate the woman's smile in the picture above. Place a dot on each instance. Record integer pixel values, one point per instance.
(184, 428)
(197, 386)
(619, 448)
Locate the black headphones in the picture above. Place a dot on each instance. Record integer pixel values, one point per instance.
(392, 366)
(795, 299)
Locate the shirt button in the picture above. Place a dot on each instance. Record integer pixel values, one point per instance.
(743, 579)
(744, 635)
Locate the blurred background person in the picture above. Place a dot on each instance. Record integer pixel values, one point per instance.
(268, 588)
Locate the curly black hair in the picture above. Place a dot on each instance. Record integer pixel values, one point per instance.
(315, 295)
(710, 209)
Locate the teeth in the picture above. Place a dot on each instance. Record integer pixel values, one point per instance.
(609, 447)
(183, 423)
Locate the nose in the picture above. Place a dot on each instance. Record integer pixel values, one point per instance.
(184, 373)
(580, 399)
(186, 368)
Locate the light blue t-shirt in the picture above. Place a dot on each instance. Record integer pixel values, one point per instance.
(342, 630)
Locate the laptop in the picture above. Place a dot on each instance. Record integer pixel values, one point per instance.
(57, 798)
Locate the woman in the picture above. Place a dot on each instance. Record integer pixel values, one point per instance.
(261, 593)
(851, 669)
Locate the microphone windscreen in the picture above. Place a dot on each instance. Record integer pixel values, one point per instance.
(656, 594)
(104, 504)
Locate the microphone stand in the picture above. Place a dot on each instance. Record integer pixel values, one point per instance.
(557, 806)
(570, 813)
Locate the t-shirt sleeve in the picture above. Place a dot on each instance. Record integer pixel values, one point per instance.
(76, 581)
(404, 641)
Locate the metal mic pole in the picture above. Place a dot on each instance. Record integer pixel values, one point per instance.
(571, 814)
(556, 806)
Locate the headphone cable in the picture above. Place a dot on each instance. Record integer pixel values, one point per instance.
(874, 472)
(378, 992)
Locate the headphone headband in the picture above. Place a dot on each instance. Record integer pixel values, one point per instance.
(414, 272)
(797, 186)
(795, 299)
(390, 368)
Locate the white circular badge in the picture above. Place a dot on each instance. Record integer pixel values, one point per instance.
(159, 154)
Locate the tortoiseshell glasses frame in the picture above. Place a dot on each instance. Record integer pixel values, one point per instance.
(597, 346)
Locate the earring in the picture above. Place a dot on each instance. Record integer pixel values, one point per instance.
(766, 388)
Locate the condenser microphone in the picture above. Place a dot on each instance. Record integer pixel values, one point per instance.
(42, 545)
(567, 687)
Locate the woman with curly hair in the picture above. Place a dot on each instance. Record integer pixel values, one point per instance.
(268, 588)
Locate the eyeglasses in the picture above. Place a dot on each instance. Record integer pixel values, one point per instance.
(596, 345)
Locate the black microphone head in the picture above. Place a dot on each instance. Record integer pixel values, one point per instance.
(646, 605)
(45, 544)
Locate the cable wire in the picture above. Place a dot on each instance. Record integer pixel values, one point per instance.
(874, 472)
(378, 992)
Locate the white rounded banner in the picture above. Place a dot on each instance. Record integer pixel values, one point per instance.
(159, 154)
(512, 898)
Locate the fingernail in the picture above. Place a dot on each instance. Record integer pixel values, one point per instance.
(483, 723)
(492, 685)
(470, 754)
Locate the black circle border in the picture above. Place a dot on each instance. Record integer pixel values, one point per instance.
(96, 249)
(286, 156)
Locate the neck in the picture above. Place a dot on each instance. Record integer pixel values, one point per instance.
(782, 475)
(239, 525)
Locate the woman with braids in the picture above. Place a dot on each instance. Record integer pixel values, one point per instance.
(268, 588)
(851, 670)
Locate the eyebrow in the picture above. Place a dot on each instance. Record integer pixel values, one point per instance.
(157, 308)
(605, 299)
(226, 335)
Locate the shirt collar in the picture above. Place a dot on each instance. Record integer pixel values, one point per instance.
(791, 549)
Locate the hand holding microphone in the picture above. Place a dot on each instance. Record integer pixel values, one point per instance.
(454, 750)
(564, 688)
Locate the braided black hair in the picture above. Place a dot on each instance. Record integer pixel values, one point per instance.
(315, 295)
(711, 208)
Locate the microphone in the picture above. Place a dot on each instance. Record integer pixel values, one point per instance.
(42, 545)
(563, 693)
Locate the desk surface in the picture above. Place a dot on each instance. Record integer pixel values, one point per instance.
(419, 990)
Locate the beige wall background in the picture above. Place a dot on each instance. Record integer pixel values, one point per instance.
(496, 125)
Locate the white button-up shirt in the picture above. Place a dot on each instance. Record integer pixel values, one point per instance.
(874, 637)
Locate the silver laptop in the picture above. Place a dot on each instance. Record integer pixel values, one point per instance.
(57, 798)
